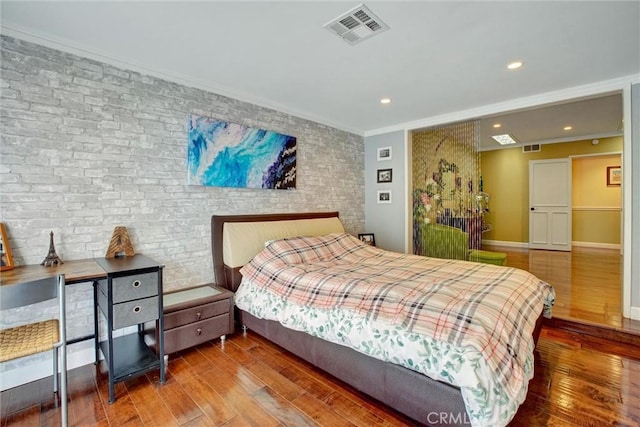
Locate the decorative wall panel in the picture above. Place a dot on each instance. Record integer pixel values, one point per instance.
(446, 180)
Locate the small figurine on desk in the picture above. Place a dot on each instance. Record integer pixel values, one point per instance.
(52, 258)
(120, 244)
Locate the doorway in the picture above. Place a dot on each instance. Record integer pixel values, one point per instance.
(595, 225)
(598, 111)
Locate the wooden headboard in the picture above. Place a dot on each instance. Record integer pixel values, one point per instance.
(245, 236)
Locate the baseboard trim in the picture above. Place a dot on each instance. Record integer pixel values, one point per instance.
(509, 244)
(634, 313)
(596, 245)
(525, 245)
(42, 369)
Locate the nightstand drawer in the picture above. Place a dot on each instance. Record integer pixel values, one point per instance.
(195, 314)
(195, 333)
(127, 288)
(135, 312)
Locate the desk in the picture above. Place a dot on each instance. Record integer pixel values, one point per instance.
(101, 271)
(82, 270)
(77, 271)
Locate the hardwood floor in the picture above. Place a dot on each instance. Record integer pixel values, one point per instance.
(587, 281)
(252, 382)
(582, 378)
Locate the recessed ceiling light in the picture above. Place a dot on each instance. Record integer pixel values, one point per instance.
(504, 139)
(385, 101)
(568, 127)
(496, 125)
(515, 65)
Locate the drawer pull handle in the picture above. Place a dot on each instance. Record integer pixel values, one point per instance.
(136, 283)
(198, 315)
(137, 309)
(198, 331)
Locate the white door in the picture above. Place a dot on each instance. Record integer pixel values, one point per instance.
(550, 204)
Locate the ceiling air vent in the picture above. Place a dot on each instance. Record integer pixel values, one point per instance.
(356, 25)
(531, 148)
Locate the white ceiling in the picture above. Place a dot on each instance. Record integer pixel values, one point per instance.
(437, 58)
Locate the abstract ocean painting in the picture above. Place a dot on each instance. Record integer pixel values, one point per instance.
(224, 154)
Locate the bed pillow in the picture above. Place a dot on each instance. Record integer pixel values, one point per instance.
(241, 241)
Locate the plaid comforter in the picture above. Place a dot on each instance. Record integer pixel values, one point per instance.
(479, 308)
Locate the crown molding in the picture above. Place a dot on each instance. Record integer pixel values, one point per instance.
(124, 63)
(573, 93)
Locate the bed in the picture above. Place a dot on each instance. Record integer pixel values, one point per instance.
(455, 376)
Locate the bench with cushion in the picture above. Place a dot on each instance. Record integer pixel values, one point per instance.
(443, 241)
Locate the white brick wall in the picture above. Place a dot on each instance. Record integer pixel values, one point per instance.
(87, 147)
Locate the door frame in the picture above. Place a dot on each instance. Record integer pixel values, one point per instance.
(621, 84)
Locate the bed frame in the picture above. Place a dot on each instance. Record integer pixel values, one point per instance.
(404, 390)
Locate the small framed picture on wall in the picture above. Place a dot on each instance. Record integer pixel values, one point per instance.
(385, 175)
(384, 196)
(384, 153)
(614, 176)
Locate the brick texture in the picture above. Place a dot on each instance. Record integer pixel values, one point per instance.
(87, 146)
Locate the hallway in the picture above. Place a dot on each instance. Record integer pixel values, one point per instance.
(587, 281)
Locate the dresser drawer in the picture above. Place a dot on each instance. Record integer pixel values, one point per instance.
(134, 286)
(134, 312)
(195, 314)
(195, 333)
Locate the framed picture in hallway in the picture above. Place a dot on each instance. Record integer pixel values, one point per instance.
(614, 176)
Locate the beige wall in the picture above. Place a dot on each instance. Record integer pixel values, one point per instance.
(505, 175)
(596, 206)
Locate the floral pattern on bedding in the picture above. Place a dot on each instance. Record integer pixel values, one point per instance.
(490, 401)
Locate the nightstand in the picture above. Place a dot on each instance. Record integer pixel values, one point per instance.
(130, 295)
(196, 315)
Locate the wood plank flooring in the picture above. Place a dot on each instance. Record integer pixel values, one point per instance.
(249, 381)
(586, 380)
(587, 281)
